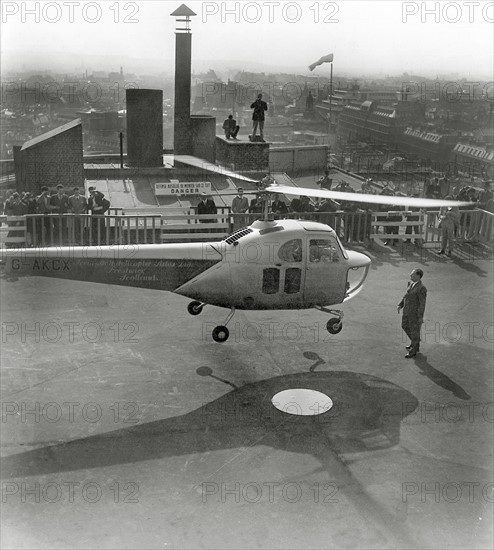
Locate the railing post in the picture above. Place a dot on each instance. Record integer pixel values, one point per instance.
(52, 239)
(107, 227)
(34, 237)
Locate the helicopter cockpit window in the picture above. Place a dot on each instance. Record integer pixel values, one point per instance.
(323, 250)
(291, 251)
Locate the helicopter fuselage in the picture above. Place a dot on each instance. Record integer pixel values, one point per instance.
(285, 264)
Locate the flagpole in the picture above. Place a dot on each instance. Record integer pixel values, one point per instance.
(327, 59)
(330, 93)
(328, 162)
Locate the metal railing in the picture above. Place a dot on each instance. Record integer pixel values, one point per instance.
(117, 228)
(13, 231)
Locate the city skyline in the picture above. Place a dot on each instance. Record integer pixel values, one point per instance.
(378, 37)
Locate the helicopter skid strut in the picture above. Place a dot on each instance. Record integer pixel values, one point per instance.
(335, 324)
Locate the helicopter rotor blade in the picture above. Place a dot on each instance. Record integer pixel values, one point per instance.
(364, 198)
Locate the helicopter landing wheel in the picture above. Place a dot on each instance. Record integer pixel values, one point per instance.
(334, 325)
(220, 334)
(194, 308)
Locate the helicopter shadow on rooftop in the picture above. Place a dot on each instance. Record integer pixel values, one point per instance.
(366, 409)
(366, 416)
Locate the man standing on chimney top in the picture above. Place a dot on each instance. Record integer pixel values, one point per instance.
(260, 107)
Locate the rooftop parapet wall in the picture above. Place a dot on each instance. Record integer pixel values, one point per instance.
(242, 155)
(295, 159)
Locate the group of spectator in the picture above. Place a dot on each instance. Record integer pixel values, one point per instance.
(303, 204)
(483, 197)
(392, 215)
(51, 227)
(47, 227)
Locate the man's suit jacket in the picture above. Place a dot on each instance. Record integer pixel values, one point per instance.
(43, 204)
(60, 204)
(259, 107)
(296, 205)
(77, 205)
(240, 205)
(279, 207)
(413, 303)
(95, 203)
(208, 207)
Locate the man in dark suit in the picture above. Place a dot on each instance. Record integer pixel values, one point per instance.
(98, 205)
(77, 206)
(257, 204)
(59, 204)
(329, 205)
(325, 181)
(279, 207)
(413, 305)
(43, 225)
(206, 206)
(260, 107)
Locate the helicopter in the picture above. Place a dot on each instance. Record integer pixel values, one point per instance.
(269, 265)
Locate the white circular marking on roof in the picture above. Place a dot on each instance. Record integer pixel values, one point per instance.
(302, 402)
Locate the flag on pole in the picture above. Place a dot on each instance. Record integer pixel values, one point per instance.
(325, 59)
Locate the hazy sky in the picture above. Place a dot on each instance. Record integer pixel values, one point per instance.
(368, 36)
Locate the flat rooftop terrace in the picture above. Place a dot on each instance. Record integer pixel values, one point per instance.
(138, 192)
(173, 440)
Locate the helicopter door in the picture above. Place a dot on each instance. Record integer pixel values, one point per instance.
(282, 285)
(325, 272)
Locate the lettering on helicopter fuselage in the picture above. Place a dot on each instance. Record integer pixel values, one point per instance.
(163, 274)
(53, 264)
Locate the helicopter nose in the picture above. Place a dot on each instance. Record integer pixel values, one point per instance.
(358, 270)
(357, 259)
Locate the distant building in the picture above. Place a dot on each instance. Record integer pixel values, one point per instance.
(474, 160)
(50, 159)
(341, 98)
(372, 121)
(368, 121)
(99, 121)
(309, 137)
(427, 145)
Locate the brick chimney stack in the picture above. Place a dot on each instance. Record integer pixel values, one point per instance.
(183, 65)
